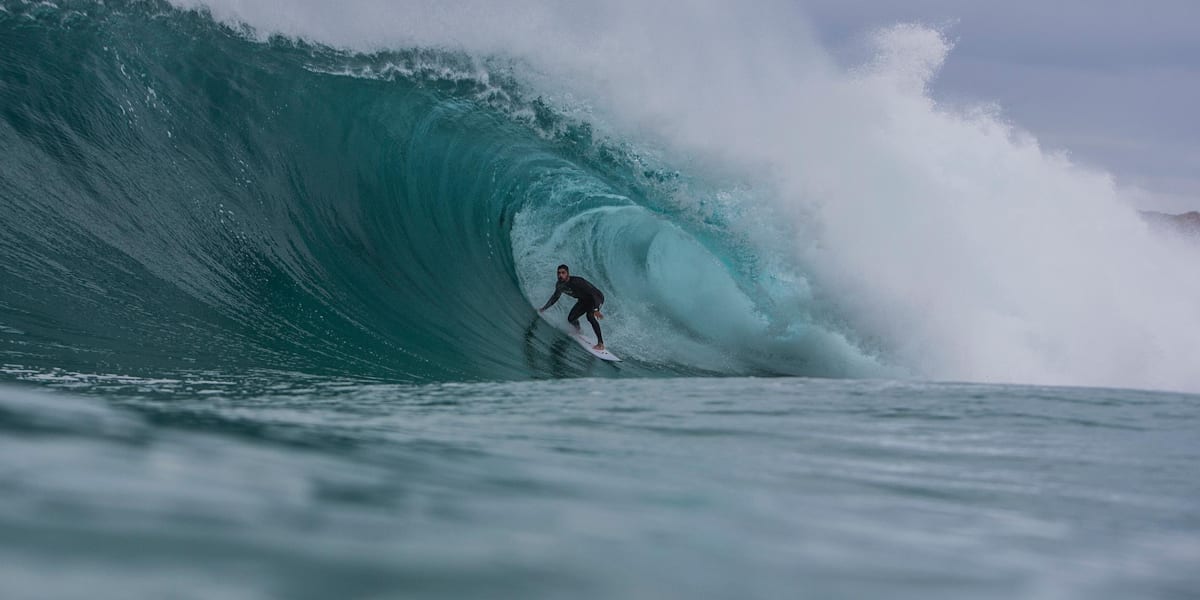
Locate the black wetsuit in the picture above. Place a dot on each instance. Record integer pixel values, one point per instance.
(589, 302)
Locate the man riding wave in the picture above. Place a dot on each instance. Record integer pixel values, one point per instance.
(589, 299)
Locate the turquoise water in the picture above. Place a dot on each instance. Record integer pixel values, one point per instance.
(280, 485)
(267, 330)
(190, 198)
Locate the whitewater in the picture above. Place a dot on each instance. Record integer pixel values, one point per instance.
(940, 240)
(268, 280)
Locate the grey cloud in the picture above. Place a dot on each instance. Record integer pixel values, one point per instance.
(1116, 84)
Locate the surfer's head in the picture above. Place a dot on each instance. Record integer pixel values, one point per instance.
(563, 272)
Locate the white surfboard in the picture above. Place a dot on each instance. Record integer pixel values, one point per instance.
(587, 345)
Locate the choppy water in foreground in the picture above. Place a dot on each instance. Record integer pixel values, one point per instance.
(278, 485)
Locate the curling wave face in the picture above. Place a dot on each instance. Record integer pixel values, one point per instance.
(180, 197)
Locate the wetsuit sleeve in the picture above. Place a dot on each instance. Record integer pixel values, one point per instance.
(554, 298)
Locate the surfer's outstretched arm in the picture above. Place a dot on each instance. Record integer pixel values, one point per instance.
(552, 300)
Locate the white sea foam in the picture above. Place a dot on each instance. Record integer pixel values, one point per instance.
(946, 239)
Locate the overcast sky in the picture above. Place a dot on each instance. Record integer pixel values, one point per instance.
(1114, 82)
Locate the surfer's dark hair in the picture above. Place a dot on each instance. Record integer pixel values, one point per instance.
(564, 268)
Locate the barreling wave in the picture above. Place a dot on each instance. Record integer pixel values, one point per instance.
(178, 196)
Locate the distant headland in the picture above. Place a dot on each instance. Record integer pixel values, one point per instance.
(1186, 223)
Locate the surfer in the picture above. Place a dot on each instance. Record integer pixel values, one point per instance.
(589, 301)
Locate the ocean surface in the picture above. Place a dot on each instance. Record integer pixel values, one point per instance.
(280, 485)
(268, 327)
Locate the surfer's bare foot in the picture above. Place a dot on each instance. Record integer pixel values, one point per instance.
(598, 347)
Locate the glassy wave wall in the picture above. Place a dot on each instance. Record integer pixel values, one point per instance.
(179, 196)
